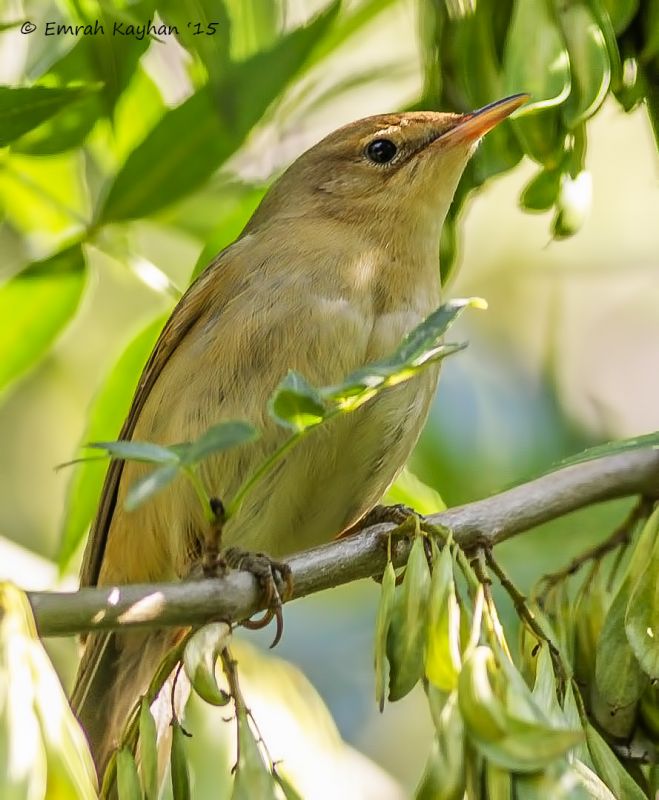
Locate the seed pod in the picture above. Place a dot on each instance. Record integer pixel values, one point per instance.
(381, 630)
(407, 628)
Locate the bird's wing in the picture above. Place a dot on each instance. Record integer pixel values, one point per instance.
(189, 309)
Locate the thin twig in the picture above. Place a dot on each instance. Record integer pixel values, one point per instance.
(620, 537)
(236, 596)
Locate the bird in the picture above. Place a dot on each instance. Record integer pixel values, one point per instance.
(336, 265)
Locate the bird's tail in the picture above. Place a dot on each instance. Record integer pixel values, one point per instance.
(114, 671)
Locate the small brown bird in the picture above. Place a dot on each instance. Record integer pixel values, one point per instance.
(337, 264)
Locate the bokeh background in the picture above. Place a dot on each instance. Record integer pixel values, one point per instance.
(566, 356)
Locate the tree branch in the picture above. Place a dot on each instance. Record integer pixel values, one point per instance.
(235, 596)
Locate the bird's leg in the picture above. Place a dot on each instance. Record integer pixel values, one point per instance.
(274, 578)
(211, 559)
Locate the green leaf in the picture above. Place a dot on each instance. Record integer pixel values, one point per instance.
(297, 404)
(442, 658)
(595, 788)
(407, 627)
(541, 192)
(444, 775)
(146, 452)
(204, 29)
(108, 56)
(106, 414)
(194, 139)
(558, 781)
(23, 108)
(544, 688)
(219, 437)
(612, 772)
(409, 490)
(148, 752)
(642, 612)
(535, 58)
(419, 348)
(610, 449)
(529, 747)
(128, 782)
(149, 485)
(35, 306)
(385, 608)
(621, 12)
(618, 675)
(179, 765)
(290, 792)
(590, 67)
(253, 779)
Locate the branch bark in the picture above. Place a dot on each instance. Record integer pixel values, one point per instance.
(235, 597)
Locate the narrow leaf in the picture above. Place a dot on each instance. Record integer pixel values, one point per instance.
(35, 306)
(146, 452)
(23, 108)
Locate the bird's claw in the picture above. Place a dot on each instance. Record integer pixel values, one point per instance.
(274, 578)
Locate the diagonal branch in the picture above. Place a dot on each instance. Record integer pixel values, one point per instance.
(235, 596)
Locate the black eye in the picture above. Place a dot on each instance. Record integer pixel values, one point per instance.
(381, 150)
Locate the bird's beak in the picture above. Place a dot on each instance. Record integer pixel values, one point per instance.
(470, 127)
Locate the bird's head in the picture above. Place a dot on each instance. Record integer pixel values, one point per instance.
(384, 170)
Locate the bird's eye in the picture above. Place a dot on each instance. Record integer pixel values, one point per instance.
(381, 150)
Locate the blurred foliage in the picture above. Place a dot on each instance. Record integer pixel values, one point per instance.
(568, 55)
(99, 144)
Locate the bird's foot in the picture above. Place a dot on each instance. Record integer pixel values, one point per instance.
(274, 578)
(398, 514)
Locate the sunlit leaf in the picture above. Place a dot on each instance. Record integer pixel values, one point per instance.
(23, 108)
(107, 411)
(442, 657)
(296, 403)
(35, 306)
(421, 347)
(409, 490)
(194, 139)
